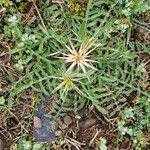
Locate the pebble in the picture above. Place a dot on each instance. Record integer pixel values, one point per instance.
(58, 133)
(87, 123)
(37, 122)
(67, 120)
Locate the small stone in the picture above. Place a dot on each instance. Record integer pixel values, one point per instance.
(37, 122)
(58, 133)
(67, 120)
(87, 123)
(1, 145)
(145, 85)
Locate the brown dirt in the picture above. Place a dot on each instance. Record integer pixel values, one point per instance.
(6, 67)
(14, 124)
(85, 130)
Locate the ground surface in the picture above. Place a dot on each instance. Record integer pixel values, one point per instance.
(74, 130)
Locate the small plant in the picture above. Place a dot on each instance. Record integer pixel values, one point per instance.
(25, 143)
(123, 24)
(102, 144)
(14, 6)
(135, 121)
(133, 7)
(3, 105)
(77, 7)
(6, 3)
(2, 100)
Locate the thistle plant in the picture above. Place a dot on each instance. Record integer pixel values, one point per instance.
(111, 70)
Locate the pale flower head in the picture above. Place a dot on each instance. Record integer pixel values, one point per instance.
(67, 84)
(80, 58)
